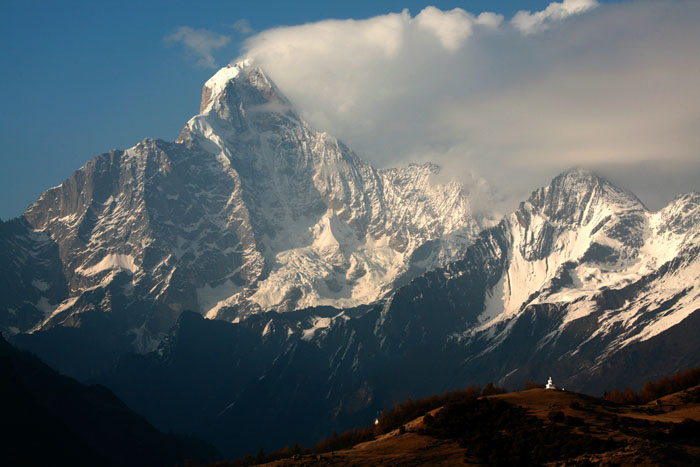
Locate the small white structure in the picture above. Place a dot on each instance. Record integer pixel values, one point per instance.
(550, 385)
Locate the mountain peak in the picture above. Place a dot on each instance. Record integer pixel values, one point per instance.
(221, 78)
(576, 192)
(577, 176)
(579, 173)
(242, 82)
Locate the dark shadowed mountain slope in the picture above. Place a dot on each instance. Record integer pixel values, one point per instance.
(49, 419)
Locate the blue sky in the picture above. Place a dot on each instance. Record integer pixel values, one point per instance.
(80, 78)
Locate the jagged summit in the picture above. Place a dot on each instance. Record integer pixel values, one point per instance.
(221, 78)
(242, 87)
(575, 195)
(239, 102)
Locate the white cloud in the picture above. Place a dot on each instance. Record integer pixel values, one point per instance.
(199, 43)
(489, 19)
(616, 89)
(529, 23)
(243, 26)
(452, 28)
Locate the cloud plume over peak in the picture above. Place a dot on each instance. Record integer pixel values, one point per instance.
(529, 23)
(199, 43)
(513, 101)
(453, 27)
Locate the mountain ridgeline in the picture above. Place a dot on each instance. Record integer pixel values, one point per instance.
(256, 280)
(250, 210)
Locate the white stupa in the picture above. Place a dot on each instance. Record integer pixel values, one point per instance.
(550, 385)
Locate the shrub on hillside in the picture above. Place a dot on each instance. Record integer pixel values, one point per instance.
(628, 396)
(345, 440)
(411, 409)
(670, 384)
(491, 390)
(657, 389)
(556, 416)
(532, 385)
(480, 427)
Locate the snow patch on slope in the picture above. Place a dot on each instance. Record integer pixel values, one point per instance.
(111, 261)
(212, 299)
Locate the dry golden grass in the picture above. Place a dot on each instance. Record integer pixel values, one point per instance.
(627, 425)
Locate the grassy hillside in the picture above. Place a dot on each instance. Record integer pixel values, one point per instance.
(531, 427)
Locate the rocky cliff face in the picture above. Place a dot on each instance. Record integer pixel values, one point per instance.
(31, 276)
(250, 210)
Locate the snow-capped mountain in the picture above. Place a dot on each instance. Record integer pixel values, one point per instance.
(582, 240)
(249, 210)
(334, 288)
(581, 283)
(581, 273)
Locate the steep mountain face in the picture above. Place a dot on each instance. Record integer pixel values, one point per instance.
(249, 210)
(329, 228)
(31, 277)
